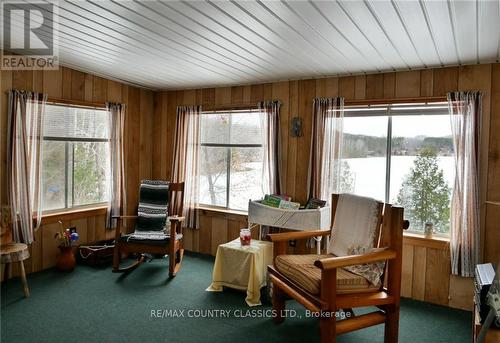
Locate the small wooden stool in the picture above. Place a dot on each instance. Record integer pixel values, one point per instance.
(15, 252)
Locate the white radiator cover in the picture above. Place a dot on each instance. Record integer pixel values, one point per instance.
(302, 220)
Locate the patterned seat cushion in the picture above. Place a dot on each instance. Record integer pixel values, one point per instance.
(301, 269)
(159, 242)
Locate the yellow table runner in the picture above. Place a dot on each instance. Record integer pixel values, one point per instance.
(242, 267)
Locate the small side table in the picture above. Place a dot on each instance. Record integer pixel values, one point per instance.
(242, 267)
(15, 252)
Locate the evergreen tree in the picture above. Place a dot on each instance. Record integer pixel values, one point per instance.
(424, 194)
(346, 178)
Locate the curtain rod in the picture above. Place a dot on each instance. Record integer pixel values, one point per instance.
(80, 103)
(228, 107)
(235, 106)
(425, 99)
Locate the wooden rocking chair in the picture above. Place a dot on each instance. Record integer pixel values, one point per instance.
(170, 244)
(330, 292)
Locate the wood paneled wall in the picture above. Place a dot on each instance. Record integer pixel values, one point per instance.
(74, 85)
(215, 228)
(427, 274)
(297, 97)
(150, 129)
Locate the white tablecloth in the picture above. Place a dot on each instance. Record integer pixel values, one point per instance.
(242, 267)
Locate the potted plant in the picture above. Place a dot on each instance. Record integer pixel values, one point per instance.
(67, 238)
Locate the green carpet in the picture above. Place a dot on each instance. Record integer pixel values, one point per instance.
(95, 305)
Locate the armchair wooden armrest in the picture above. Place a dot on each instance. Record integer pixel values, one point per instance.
(176, 219)
(175, 225)
(344, 261)
(287, 236)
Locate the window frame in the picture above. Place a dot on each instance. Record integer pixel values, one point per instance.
(390, 110)
(229, 147)
(67, 142)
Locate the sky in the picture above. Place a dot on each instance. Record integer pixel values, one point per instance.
(402, 126)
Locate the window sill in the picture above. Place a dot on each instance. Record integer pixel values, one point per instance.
(410, 238)
(73, 213)
(418, 239)
(220, 211)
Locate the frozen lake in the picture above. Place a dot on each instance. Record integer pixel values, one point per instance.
(368, 176)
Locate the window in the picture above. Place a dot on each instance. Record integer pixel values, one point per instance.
(402, 154)
(75, 160)
(230, 158)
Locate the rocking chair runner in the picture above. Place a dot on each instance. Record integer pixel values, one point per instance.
(139, 243)
(337, 288)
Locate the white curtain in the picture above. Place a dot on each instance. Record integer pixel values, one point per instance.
(117, 190)
(465, 116)
(186, 167)
(269, 112)
(325, 162)
(24, 162)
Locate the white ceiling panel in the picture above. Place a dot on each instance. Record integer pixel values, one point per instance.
(265, 42)
(292, 39)
(317, 43)
(489, 31)
(388, 20)
(368, 25)
(199, 34)
(187, 44)
(413, 18)
(327, 32)
(440, 30)
(465, 24)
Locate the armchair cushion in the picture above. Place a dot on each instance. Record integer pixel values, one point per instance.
(301, 270)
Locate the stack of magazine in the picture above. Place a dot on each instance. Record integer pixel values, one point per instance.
(285, 202)
(280, 201)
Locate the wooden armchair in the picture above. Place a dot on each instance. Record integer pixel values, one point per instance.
(170, 244)
(330, 293)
